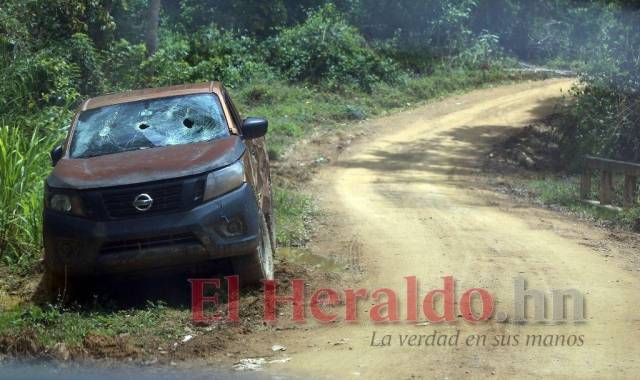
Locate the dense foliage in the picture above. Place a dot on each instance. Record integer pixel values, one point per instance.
(330, 56)
(327, 49)
(604, 118)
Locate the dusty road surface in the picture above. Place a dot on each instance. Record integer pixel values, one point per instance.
(404, 202)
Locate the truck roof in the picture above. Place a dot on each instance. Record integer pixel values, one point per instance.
(151, 93)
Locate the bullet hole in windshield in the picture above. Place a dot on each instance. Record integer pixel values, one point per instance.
(143, 126)
(188, 123)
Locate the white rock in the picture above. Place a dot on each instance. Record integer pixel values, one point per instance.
(278, 347)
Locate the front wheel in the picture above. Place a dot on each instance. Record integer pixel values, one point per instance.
(258, 265)
(59, 287)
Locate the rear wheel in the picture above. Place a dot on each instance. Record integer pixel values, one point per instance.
(257, 265)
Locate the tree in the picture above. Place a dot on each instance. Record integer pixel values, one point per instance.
(153, 19)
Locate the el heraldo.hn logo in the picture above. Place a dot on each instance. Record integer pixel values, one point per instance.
(474, 305)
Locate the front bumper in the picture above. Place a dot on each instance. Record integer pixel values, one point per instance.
(79, 246)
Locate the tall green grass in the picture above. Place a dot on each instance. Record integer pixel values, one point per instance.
(24, 163)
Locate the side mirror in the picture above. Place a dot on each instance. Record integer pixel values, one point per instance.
(56, 155)
(254, 127)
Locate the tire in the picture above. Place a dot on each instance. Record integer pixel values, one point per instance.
(258, 265)
(271, 222)
(58, 287)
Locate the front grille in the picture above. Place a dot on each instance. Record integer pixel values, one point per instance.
(148, 243)
(166, 198)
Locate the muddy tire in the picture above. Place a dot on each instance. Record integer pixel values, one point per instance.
(271, 222)
(258, 265)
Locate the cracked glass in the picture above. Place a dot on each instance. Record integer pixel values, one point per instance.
(148, 124)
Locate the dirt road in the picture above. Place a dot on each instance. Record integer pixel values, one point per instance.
(407, 200)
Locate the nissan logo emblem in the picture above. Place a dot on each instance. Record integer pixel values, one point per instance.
(143, 202)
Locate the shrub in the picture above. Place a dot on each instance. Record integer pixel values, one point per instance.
(603, 118)
(225, 56)
(122, 65)
(32, 81)
(601, 122)
(53, 76)
(327, 50)
(169, 65)
(82, 53)
(482, 52)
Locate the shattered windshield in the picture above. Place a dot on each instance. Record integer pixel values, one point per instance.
(148, 124)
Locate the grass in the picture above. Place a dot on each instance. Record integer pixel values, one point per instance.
(294, 212)
(54, 324)
(565, 192)
(557, 191)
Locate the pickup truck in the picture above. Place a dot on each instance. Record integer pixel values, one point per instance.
(159, 178)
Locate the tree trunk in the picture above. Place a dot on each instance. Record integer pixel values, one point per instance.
(153, 19)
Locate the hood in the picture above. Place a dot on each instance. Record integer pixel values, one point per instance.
(139, 166)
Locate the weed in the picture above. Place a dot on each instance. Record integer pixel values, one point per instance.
(294, 212)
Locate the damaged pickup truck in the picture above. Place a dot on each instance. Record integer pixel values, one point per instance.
(159, 178)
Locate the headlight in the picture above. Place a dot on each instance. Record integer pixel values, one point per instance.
(65, 203)
(224, 180)
(61, 203)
